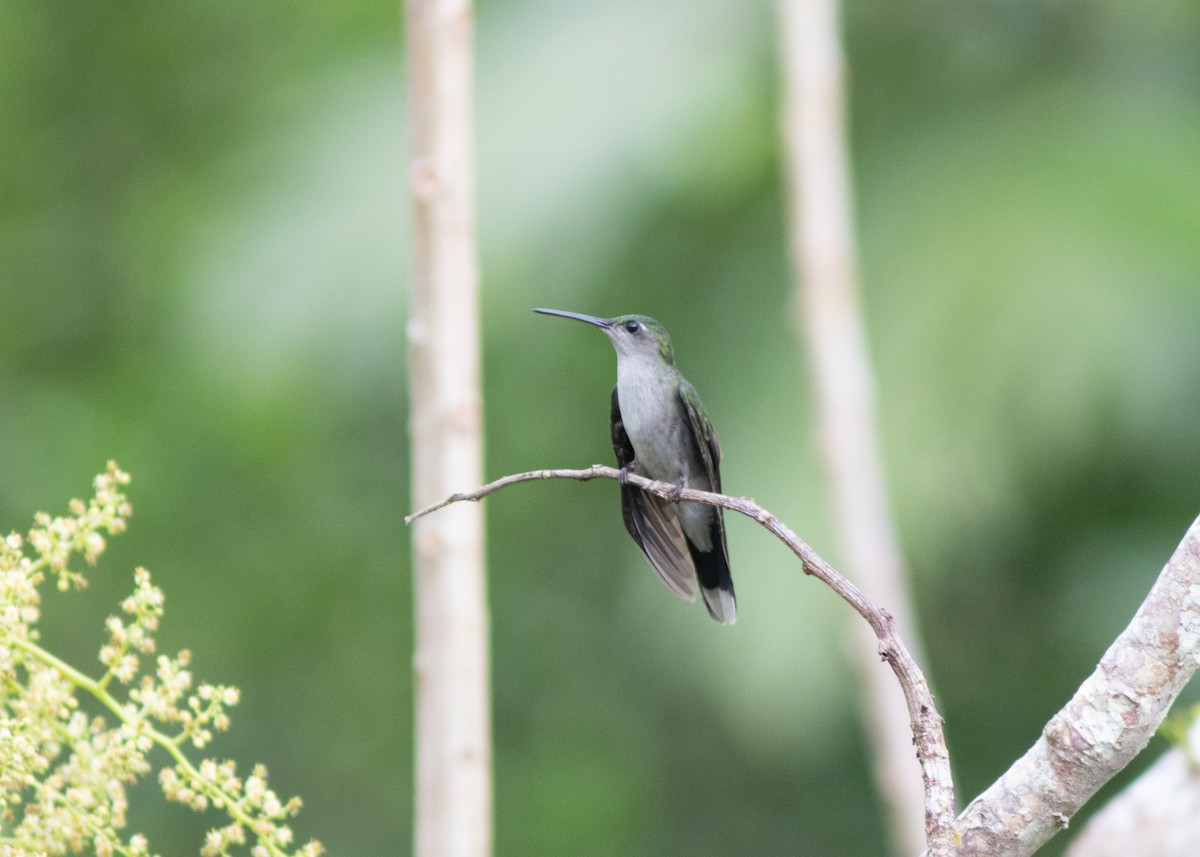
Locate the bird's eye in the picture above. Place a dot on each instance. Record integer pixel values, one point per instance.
(632, 326)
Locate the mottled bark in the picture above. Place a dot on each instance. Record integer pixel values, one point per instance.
(1109, 720)
(1158, 813)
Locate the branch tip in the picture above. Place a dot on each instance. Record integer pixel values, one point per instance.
(928, 735)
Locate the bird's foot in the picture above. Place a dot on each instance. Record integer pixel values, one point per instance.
(675, 493)
(623, 475)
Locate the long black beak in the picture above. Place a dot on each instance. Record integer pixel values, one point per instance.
(590, 319)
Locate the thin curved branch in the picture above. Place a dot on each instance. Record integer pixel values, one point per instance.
(928, 736)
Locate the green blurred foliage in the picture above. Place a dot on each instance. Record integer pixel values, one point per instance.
(202, 268)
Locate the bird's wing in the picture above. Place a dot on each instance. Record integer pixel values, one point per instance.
(712, 566)
(702, 431)
(623, 449)
(651, 521)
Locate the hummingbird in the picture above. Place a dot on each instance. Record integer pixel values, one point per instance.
(661, 431)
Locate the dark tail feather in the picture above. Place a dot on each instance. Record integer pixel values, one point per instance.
(712, 569)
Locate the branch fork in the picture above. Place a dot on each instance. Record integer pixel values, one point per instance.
(928, 736)
(1109, 720)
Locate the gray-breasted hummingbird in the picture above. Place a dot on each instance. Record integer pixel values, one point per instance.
(660, 431)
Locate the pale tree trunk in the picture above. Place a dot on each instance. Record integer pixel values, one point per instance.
(453, 780)
(829, 321)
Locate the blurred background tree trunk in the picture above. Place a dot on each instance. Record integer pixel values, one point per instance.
(186, 196)
(452, 719)
(829, 322)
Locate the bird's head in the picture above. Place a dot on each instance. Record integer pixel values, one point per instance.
(637, 336)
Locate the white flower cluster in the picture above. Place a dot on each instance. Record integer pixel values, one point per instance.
(63, 775)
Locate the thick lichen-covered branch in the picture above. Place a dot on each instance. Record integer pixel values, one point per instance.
(1159, 812)
(1107, 722)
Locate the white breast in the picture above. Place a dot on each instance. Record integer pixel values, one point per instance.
(653, 420)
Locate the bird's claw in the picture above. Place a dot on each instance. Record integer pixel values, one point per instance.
(672, 496)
